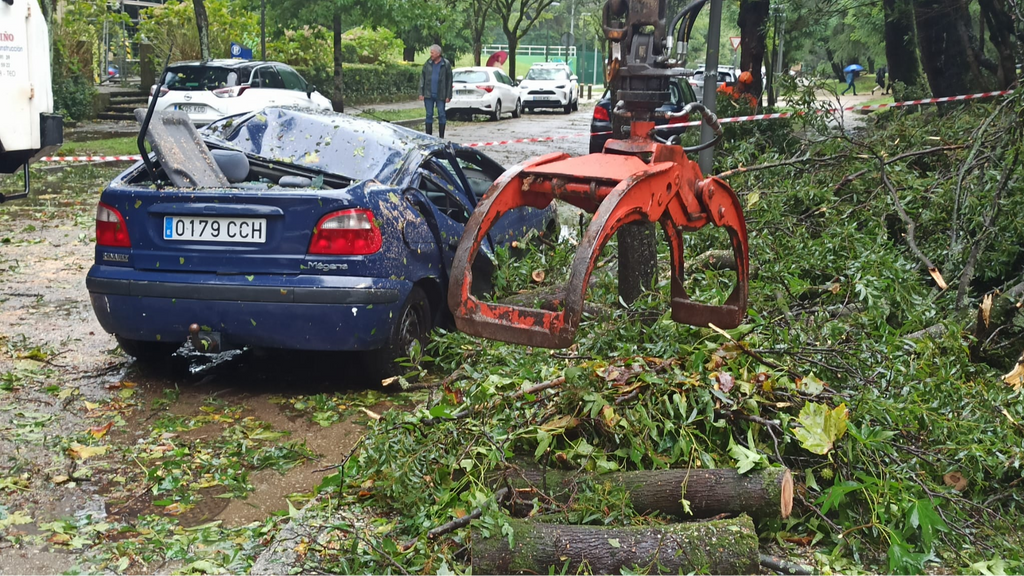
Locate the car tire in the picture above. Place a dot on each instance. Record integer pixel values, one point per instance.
(145, 351)
(496, 115)
(567, 109)
(413, 324)
(576, 105)
(518, 110)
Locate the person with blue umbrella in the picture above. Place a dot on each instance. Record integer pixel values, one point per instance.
(851, 73)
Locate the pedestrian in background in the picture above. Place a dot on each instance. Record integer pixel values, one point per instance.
(880, 80)
(436, 89)
(851, 75)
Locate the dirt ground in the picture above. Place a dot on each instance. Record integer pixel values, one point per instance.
(63, 380)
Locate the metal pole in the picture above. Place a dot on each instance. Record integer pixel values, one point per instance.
(782, 35)
(263, 29)
(707, 157)
(593, 73)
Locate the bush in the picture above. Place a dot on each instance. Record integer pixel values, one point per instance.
(310, 47)
(368, 83)
(72, 97)
(369, 46)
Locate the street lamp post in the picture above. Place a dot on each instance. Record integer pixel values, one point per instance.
(263, 29)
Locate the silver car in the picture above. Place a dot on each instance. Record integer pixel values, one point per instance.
(726, 75)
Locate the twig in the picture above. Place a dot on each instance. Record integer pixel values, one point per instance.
(979, 244)
(347, 458)
(454, 525)
(743, 348)
(817, 511)
(539, 387)
(386, 556)
(117, 510)
(790, 162)
(910, 224)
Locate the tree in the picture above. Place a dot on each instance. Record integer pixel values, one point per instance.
(517, 17)
(476, 13)
(947, 53)
(753, 23)
(203, 26)
(901, 43)
(1003, 38)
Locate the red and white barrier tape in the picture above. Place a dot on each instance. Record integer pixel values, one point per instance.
(729, 120)
(133, 158)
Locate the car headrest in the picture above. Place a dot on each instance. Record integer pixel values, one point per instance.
(295, 182)
(232, 163)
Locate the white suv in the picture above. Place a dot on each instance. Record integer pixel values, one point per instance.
(550, 85)
(208, 91)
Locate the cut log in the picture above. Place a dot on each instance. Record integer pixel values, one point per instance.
(714, 547)
(762, 494)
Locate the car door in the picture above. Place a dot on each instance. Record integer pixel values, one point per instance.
(508, 91)
(271, 87)
(480, 172)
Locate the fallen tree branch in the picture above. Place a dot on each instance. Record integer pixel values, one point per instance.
(781, 566)
(851, 177)
(908, 222)
(790, 162)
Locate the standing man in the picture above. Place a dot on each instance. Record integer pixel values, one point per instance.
(436, 88)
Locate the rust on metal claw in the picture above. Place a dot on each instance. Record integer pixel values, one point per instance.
(618, 187)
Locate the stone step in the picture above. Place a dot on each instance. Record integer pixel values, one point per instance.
(129, 100)
(115, 116)
(124, 108)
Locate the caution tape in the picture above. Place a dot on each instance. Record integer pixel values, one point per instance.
(134, 158)
(730, 120)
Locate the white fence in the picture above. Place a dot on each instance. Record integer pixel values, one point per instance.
(532, 50)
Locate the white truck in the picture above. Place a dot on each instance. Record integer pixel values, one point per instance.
(28, 127)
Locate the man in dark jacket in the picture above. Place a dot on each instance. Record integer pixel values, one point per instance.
(436, 88)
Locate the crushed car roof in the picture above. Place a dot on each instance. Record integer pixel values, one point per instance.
(355, 148)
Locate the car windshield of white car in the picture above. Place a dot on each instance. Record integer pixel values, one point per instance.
(200, 78)
(468, 76)
(546, 74)
(351, 147)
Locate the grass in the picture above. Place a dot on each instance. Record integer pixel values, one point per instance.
(106, 147)
(393, 115)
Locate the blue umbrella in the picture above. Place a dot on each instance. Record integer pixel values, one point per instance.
(853, 68)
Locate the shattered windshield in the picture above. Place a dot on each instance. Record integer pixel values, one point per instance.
(335, 143)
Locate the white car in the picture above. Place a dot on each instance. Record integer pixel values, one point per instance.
(208, 91)
(483, 90)
(726, 75)
(550, 85)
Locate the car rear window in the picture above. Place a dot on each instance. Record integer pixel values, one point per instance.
(547, 74)
(471, 76)
(200, 77)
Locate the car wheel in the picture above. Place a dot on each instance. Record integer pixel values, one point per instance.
(576, 105)
(496, 115)
(568, 107)
(144, 351)
(518, 110)
(413, 325)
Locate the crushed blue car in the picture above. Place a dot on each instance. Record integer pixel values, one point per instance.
(333, 233)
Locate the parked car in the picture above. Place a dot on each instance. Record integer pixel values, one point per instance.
(726, 75)
(550, 85)
(335, 233)
(680, 92)
(484, 90)
(208, 91)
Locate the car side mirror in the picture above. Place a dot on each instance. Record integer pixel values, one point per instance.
(309, 90)
(574, 78)
(519, 78)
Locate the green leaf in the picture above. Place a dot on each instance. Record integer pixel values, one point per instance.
(922, 515)
(746, 459)
(821, 427)
(614, 543)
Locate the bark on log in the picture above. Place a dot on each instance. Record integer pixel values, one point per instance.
(715, 547)
(766, 493)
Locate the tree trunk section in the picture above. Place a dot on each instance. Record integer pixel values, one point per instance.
(901, 43)
(753, 23)
(338, 99)
(203, 24)
(716, 547)
(763, 494)
(638, 259)
(513, 44)
(946, 52)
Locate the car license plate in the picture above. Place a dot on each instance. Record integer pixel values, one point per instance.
(192, 108)
(464, 92)
(215, 229)
(543, 98)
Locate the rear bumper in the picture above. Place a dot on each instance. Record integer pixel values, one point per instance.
(478, 105)
(272, 311)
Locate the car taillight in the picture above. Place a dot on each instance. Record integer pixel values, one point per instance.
(111, 229)
(679, 119)
(347, 232)
(485, 88)
(163, 90)
(600, 113)
(229, 92)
